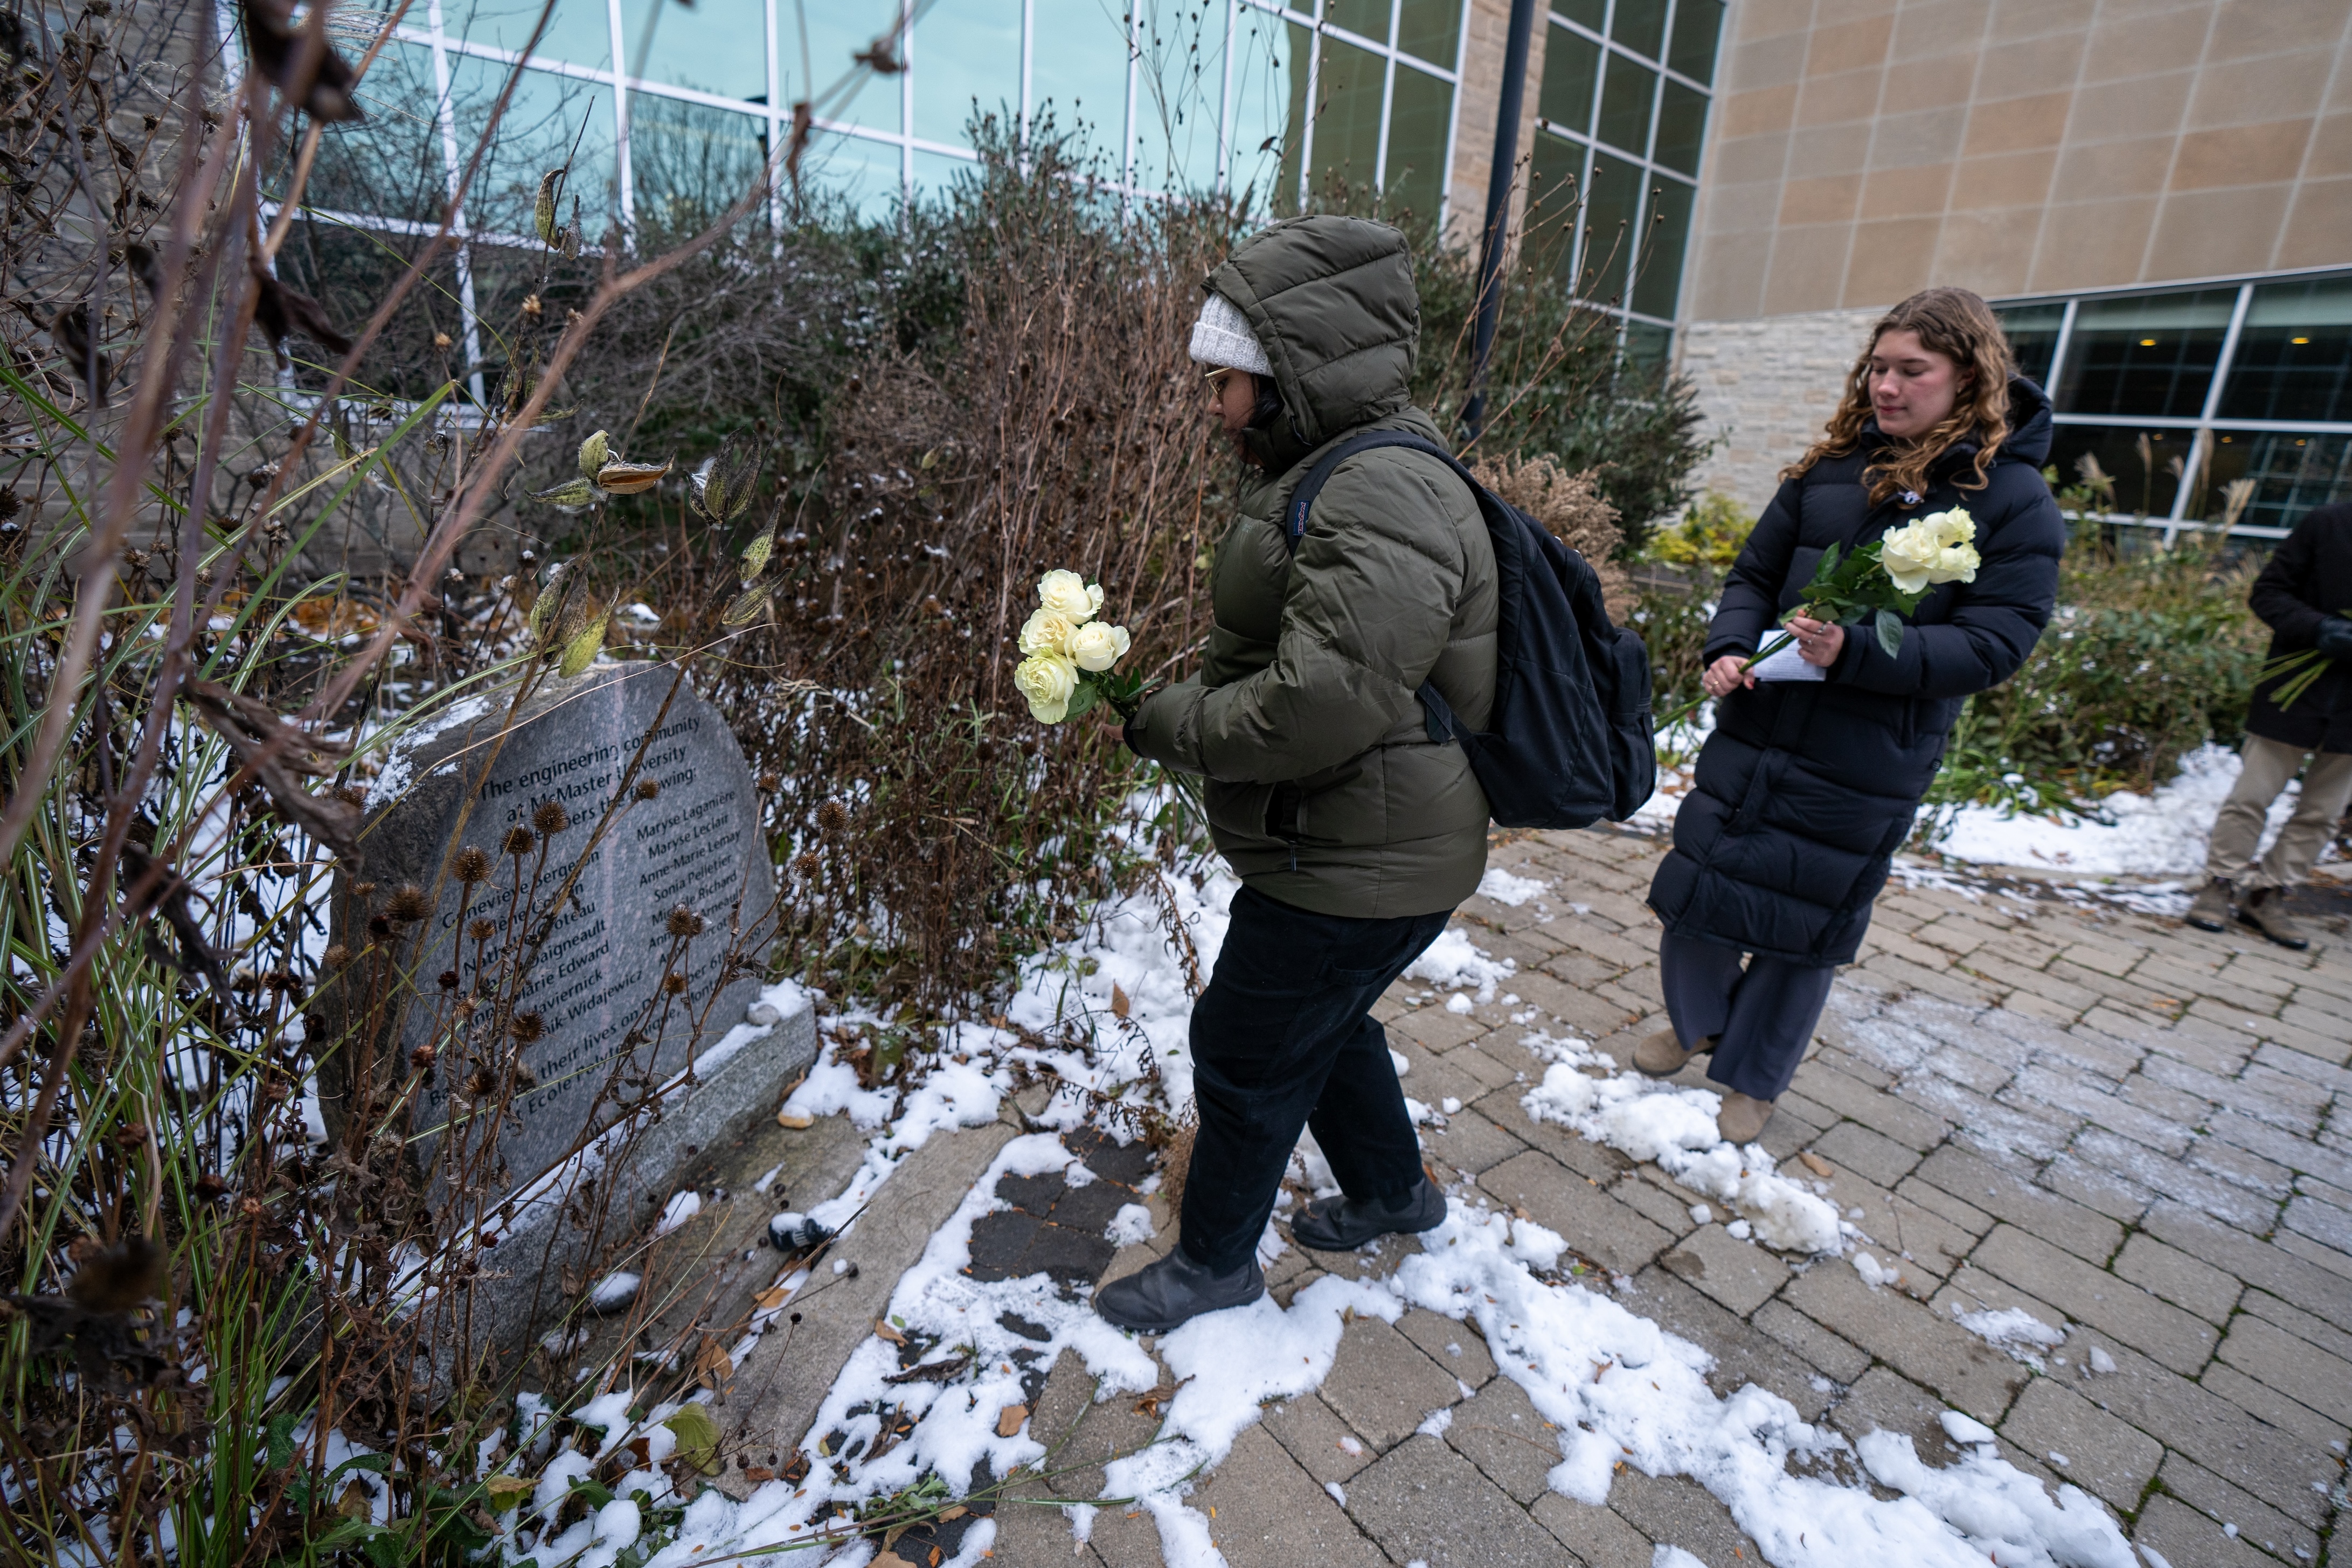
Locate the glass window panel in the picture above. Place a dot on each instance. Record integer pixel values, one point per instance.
(1648, 346)
(1681, 127)
(688, 161)
(1431, 30)
(1698, 24)
(579, 33)
(1365, 19)
(2292, 473)
(1640, 25)
(861, 174)
(1665, 228)
(389, 164)
(1592, 14)
(2032, 333)
(1347, 141)
(966, 53)
(1269, 113)
(1181, 75)
(1572, 69)
(2142, 486)
(1078, 67)
(1555, 176)
(2148, 354)
(2294, 354)
(825, 71)
(1418, 113)
(1610, 198)
(1625, 105)
(937, 173)
(717, 46)
(546, 113)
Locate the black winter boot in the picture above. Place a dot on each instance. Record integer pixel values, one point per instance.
(1343, 1224)
(1165, 1295)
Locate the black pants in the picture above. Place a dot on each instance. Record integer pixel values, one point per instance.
(1762, 1016)
(1282, 1039)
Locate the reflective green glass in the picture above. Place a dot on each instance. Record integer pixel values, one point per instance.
(1681, 127)
(825, 72)
(1648, 347)
(688, 161)
(1592, 14)
(1077, 68)
(2032, 333)
(2294, 354)
(1625, 105)
(864, 174)
(1698, 24)
(1365, 19)
(544, 116)
(1640, 25)
(1180, 72)
(2292, 471)
(716, 45)
(1612, 196)
(1570, 69)
(966, 60)
(2143, 487)
(935, 173)
(1420, 107)
(1269, 112)
(1347, 137)
(2148, 353)
(389, 164)
(1555, 179)
(1431, 30)
(579, 32)
(1665, 230)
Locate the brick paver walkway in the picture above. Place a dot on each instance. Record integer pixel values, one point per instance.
(2137, 1130)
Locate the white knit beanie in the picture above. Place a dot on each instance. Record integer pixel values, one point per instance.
(1222, 337)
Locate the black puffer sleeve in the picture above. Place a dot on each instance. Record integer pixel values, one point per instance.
(1750, 605)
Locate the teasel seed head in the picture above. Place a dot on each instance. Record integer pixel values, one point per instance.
(338, 956)
(683, 922)
(524, 1077)
(471, 865)
(482, 929)
(833, 817)
(408, 903)
(364, 889)
(422, 1056)
(379, 927)
(448, 980)
(771, 782)
(527, 1028)
(807, 864)
(550, 817)
(517, 841)
(673, 983)
(648, 788)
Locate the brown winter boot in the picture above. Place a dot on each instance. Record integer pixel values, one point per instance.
(2210, 909)
(2265, 910)
(1661, 1055)
(1741, 1120)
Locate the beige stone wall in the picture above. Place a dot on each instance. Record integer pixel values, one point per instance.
(1863, 149)
(1768, 387)
(1473, 120)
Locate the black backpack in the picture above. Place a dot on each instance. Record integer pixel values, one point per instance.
(1572, 742)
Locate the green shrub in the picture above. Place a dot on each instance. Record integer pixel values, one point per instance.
(1679, 574)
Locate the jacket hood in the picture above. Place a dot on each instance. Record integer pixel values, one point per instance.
(1332, 301)
(2031, 429)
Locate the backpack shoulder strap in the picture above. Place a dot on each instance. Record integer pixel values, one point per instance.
(1302, 499)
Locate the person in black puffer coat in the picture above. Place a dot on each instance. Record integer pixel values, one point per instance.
(1814, 773)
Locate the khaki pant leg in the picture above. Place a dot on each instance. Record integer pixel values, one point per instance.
(2268, 766)
(2326, 786)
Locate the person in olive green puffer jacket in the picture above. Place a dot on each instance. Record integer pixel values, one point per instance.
(1354, 834)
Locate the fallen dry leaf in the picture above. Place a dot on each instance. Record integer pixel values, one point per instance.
(1118, 1001)
(713, 1364)
(1815, 1163)
(769, 1300)
(1008, 1422)
(883, 1330)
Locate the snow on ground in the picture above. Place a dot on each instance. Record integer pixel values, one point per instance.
(1112, 1011)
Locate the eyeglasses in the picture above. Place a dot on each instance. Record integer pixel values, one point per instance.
(1216, 378)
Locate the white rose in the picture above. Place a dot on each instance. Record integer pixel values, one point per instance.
(1098, 646)
(1953, 526)
(1070, 596)
(1955, 558)
(1048, 631)
(1910, 555)
(1046, 681)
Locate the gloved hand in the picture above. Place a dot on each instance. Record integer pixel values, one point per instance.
(2335, 636)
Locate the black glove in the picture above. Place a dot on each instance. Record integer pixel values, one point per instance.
(2335, 638)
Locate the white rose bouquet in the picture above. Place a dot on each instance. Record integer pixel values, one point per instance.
(1068, 655)
(1881, 582)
